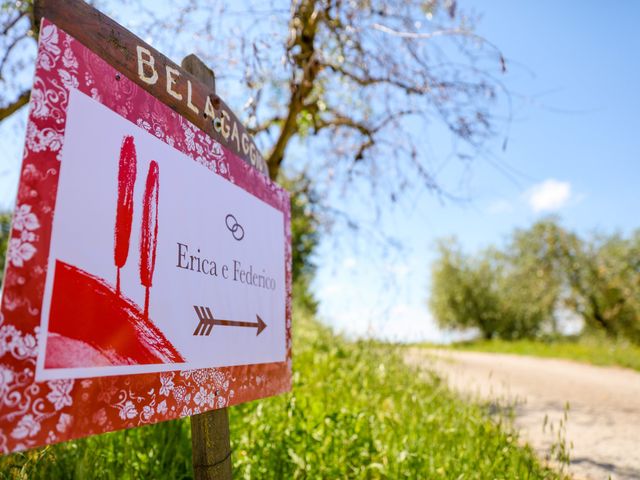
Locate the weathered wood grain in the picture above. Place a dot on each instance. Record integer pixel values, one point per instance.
(211, 448)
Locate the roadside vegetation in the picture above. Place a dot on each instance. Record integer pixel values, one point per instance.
(541, 277)
(355, 411)
(593, 349)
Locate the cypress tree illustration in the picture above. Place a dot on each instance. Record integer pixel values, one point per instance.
(149, 232)
(127, 170)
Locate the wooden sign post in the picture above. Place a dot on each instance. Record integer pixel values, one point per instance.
(210, 442)
(149, 270)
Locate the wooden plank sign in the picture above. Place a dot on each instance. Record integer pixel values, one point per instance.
(149, 265)
(178, 89)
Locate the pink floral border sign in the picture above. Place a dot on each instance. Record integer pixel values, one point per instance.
(149, 265)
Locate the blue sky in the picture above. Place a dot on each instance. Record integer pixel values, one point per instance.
(574, 144)
(573, 150)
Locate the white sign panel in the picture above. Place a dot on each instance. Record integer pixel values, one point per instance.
(156, 262)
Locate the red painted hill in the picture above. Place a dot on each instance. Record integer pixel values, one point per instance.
(90, 325)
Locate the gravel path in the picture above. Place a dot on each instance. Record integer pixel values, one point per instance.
(604, 416)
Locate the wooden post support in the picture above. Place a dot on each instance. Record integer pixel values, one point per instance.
(196, 67)
(210, 445)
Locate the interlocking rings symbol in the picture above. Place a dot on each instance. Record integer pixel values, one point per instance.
(234, 227)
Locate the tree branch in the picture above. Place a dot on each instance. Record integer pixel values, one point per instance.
(12, 23)
(16, 105)
(265, 126)
(415, 35)
(301, 50)
(340, 120)
(8, 51)
(368, 80)
(460, 32)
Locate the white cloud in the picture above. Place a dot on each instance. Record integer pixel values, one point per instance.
(549, 196)
(500, 206)
(397, 269)
(349, 263)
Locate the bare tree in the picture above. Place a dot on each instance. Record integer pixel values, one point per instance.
(358, 81)
(17, 54)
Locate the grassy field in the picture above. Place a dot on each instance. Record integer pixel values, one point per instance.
(356, 411)
(597, 350)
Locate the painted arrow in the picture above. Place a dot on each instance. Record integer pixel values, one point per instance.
(207, 321)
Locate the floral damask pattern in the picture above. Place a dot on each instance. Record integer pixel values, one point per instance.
(21, 247)
(34, 413)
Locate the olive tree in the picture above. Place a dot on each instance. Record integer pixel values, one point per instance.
(465, 292)
(520, 289)
(605, 282)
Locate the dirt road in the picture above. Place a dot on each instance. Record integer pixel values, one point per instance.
(604, 416)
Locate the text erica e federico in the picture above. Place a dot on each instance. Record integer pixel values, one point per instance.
(235, 272)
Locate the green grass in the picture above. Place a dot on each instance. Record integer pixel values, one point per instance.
(594, 349)
(356, 411)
